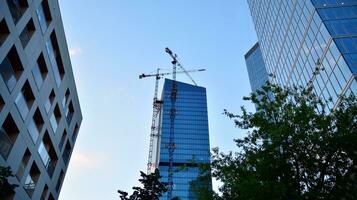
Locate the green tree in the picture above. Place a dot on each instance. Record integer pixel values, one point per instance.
(6, 189)
(151, 188)
(202, 185)
(295, 148)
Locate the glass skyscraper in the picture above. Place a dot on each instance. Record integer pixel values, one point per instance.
(258, 75)
(190, 135)
(309, 42)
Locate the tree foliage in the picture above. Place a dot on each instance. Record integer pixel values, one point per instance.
(296, 148)
(151, 188)
(202, 185)
(6, 188)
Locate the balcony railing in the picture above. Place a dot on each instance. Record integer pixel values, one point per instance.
(30, 185)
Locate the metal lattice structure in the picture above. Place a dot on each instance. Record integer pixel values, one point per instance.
(154, 147)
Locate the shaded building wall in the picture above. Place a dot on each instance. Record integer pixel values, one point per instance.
(40, 114)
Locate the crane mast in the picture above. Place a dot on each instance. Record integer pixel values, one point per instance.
(155, 125)
(171, 146)
(155, 134)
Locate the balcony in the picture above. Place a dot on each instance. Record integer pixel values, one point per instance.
(55, 58)
(4, 31)
(27, 33)
(67, 153)
(55, 118)
(30, 185)
(23, 164)
(39, 71)
(69, 113)
(44, 15)
(48, 154)
(33, 131)
(8, 136)
(49, 101)
(32, 179)
(24, 100)
(21, 105)
(17, 8)
(5, 144)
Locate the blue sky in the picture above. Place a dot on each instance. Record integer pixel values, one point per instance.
(111, 42)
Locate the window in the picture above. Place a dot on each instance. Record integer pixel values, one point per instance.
(8, 136)
(69, 113)
(24, 100)
(63, 139)
(32, 179)
(2, 103)
(44, 15)
(51, 197)
(59, 181)
(44, 193)
(55, 58)
(48, 154)
(11, 69)
(39, 71)
(50, 100)
(65, 98)
(55, 118)
(23, 164)
(27, 33)
(75, 133)
(35, 125)
(4, 31)
(17, 8)
(67, 153)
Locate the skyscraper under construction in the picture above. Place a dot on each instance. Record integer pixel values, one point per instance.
(191, 137)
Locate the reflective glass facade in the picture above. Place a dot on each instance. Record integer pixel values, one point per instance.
(257, 72)
(190, 135)
(306, 42)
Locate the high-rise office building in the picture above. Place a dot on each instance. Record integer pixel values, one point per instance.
(309, 42)
(191, 137)
(258, 75)
(40, 113)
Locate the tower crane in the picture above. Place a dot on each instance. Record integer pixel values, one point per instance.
(155, 125)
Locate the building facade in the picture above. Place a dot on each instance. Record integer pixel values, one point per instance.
(258, 75)
(191, 137)
(309, 42)
(40, 113)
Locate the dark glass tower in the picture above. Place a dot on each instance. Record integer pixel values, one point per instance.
(309, 42)
(257, 72)
(190, 135)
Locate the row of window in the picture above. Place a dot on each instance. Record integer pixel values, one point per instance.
(293, 52)
(8, 135)
(11, 70)
(17, 9)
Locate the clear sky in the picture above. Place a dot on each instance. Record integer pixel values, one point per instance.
(111, 42)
